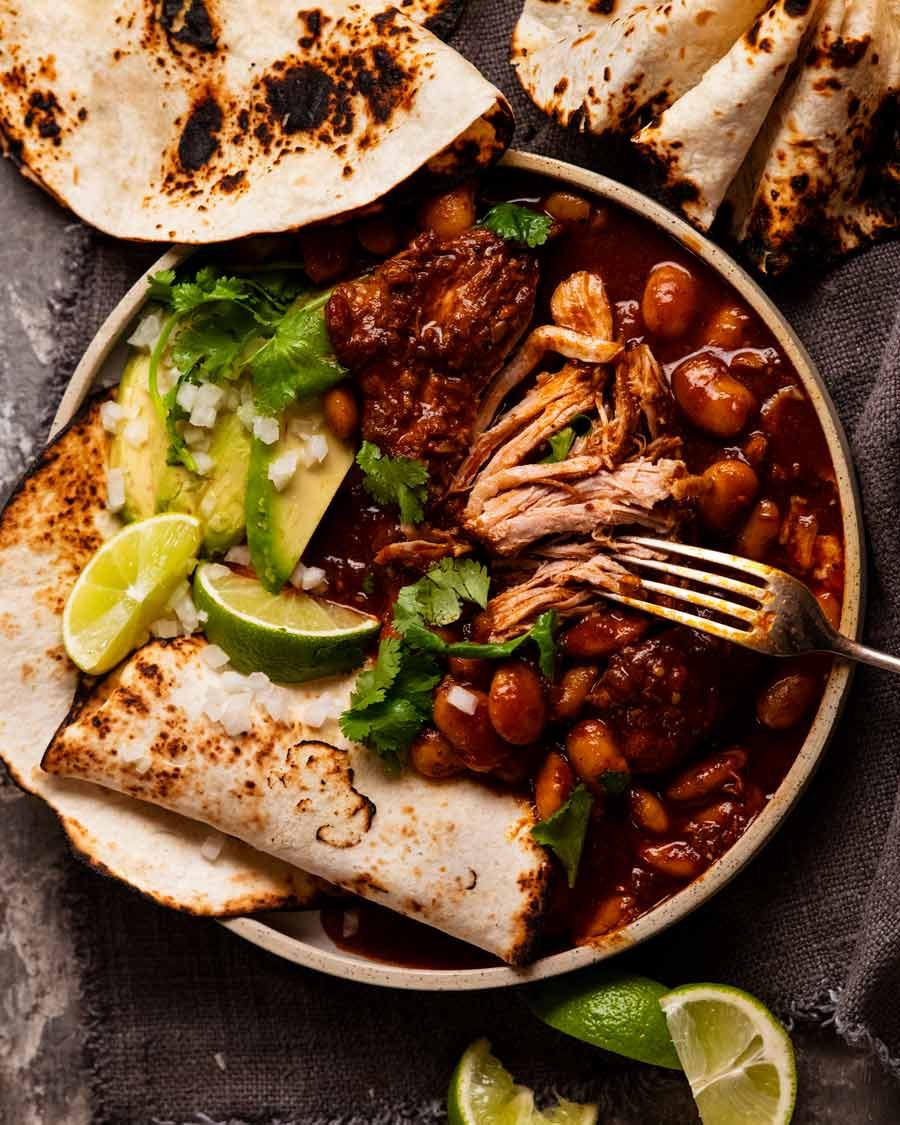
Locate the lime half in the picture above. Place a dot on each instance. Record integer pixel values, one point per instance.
(125, 587)
(736, 1055)
(618, 1012)
(290, 636)
(483, 1093)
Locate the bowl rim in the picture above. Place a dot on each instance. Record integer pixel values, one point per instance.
(350, 967)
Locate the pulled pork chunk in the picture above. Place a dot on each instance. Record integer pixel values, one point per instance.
(424, 333)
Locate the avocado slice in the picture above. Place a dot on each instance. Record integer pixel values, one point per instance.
(151, 485)
(223, 496)
(281, 524)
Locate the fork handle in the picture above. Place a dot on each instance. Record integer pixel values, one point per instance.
(843, 646)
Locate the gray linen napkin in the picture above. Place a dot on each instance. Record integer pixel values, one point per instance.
(187, 1021)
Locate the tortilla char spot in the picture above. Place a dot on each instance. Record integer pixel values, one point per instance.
(191, 26)
(232, 181)
(199, 140)
(602, 7)
(301, 98)
(797, 8)
(561, 86)
(703, 17)
(314, 19)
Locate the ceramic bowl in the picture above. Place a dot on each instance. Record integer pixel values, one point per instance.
(298, 936)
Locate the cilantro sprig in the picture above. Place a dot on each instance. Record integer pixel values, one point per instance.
(390, 481)
(518, 224)
(565, 831)
(272, 326)
(437, 597)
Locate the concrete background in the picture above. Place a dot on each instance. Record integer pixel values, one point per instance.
(43, 1080)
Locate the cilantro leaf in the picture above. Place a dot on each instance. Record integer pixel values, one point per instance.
(437, 598)
(159, 286)
(542, 633)
(565, 831)
(211, 345)
(394, 480)
(297, 360)
(562, 442)
(392, 700)
(518, 224)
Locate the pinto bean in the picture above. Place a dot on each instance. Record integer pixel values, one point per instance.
(552, 785)
(451, 213)
(378, 235)
(341, 412)
(593, 751)
(609, 913)
(727, 328)
(471, 670)
(604, 632)
(569, 694)
(326, 252)
(676, 859)
(728, 487)
(830, 605)
(669, 301)
(472, 736)
(710, 397)
(567, 207)
(760, 531)
(516, 703)
(786, 700)
(432, 755)
(709, 776)
(648, 811)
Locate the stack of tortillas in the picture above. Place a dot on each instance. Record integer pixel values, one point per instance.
(781, 113)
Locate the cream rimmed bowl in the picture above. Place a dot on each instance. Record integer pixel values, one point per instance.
(298, 936)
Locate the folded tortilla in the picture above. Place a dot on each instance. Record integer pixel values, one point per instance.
(823, 177)
(608, 66)
(204, 120)
(454, 854)
(50, 528)
(699, 143)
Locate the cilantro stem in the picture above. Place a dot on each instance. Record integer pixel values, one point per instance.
(152, 383)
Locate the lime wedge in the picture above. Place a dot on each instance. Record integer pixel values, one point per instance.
(617, 1012)
(483, 1093)
(736, 1055)
(290, 636)
(125, 587)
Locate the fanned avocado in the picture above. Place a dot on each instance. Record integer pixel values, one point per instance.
(151, 485)
(280, 524)
(223, 497)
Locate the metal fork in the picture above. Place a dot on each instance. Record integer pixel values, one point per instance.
(776, 613)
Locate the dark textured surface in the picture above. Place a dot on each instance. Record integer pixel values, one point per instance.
(812, 926)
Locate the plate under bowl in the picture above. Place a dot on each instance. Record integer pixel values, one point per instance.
(298, 936)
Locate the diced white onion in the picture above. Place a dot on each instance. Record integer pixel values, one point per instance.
(266, 429)
(232, 682)
(202, 616)
(165, 628)
(212, 846)
(115, 490)
(187, 396)
(282, 469)
(314, 450)
(247, 415)
(308, 578)
(137, 432)
(276, 701)
(462, 700)
(147, 332)
(208, 394)
(216, 570)
(186, 612)
(130, 751)
(258, 681)
(203, 415)
(236, 713)
(319, 710)
(202, 462)
(214, 657)
(111, 415)
(195, 438)
(166, 378)
(239, 555)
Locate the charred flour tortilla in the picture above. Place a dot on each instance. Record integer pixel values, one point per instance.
(700, 142)
(204, 120)
(824, 173)
(786, 110)
(48, 532)
(453, 854)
